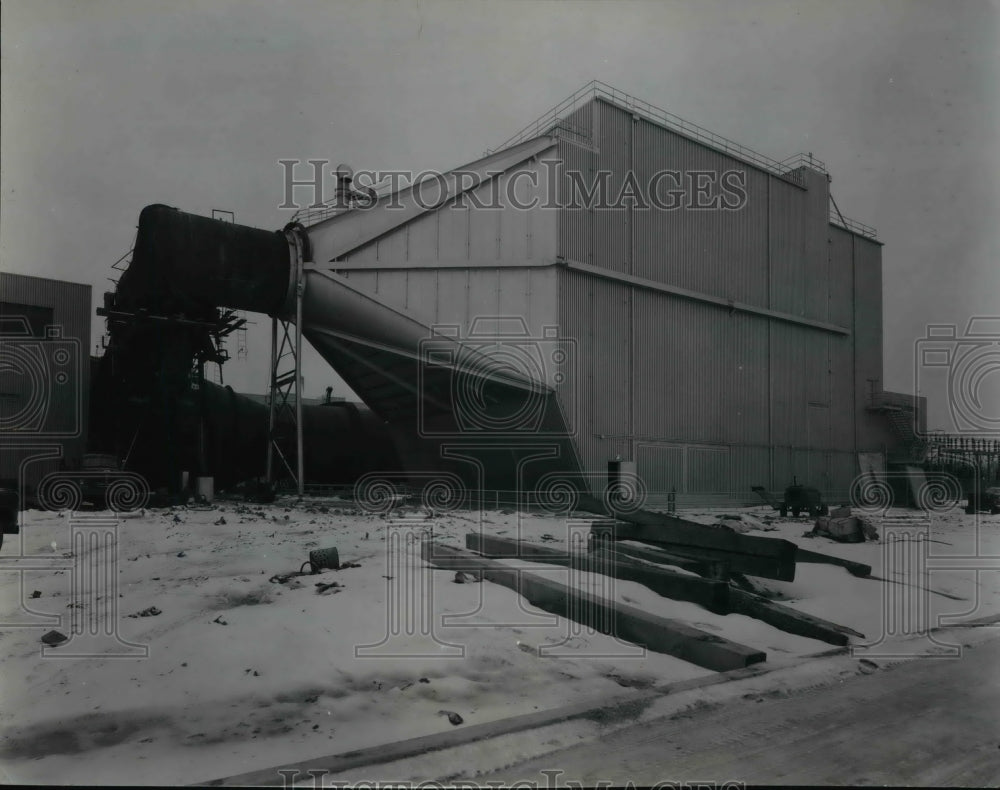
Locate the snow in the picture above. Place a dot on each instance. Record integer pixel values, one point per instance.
(245, 673)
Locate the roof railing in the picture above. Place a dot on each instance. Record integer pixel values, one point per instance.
(852, 225)
(554, 122)
(598, 90)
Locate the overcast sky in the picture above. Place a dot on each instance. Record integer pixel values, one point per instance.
(109, 105)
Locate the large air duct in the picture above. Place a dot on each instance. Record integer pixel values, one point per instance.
(432, 390)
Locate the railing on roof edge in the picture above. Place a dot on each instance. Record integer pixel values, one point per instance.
(597, 89)
(836, 218)
(553, 121)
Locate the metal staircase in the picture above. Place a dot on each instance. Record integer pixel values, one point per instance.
(902, 421)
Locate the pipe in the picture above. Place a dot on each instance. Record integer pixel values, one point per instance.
(183, 263)
(188, 266)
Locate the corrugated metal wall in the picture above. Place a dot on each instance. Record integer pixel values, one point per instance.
(873, 431)
(458, 296)
(707, 399)
(454, 265)
(65, 424)
(494, 229)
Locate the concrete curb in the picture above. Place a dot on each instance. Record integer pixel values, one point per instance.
(612, 707)
(411, 747)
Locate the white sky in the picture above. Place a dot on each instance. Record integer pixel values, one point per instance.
(109, 105)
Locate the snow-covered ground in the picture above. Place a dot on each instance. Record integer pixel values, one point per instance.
(245, 671)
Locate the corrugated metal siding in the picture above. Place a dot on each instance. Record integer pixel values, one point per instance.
(843, 384)
(71, 312)
(868, 336)
(697, 470)
(580, 121)
(841, 276)
(457, 296)
(452, 298)
(842, 393)
(704, 398)
(498, 228)
(422, 292)
(708, 469)
(708, 381)
(575, 312)
(390, 285)
(787, 287)
(661, 466)
(611, 225)
(719, 252)
(484, 294)
(789, 355)
(700, 373)
(576, 223)
(816, 260)
(610, 343)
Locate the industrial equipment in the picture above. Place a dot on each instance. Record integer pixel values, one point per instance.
(166, 313)
(797, 498)
(984, 499)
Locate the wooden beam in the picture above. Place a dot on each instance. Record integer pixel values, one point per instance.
(855, 568)
(791, 620)
(713, 594)
(659, 634)
(712, 569)
(717, 596)
(780, 565)
(664, 528)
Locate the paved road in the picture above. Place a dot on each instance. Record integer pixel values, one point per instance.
(925, 722)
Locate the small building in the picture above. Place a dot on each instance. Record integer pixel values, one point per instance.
(44, 376)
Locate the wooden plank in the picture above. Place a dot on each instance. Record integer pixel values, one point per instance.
(713, 594)
(717, 596)
(777, 567)
(791, 620)
(664, 528)
(629, 623)
(855, 568)
(661, 557)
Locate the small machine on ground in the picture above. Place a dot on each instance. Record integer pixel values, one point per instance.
(798, 499)
(984, 499)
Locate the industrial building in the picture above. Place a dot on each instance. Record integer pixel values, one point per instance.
(613, 285)
(733, 338)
